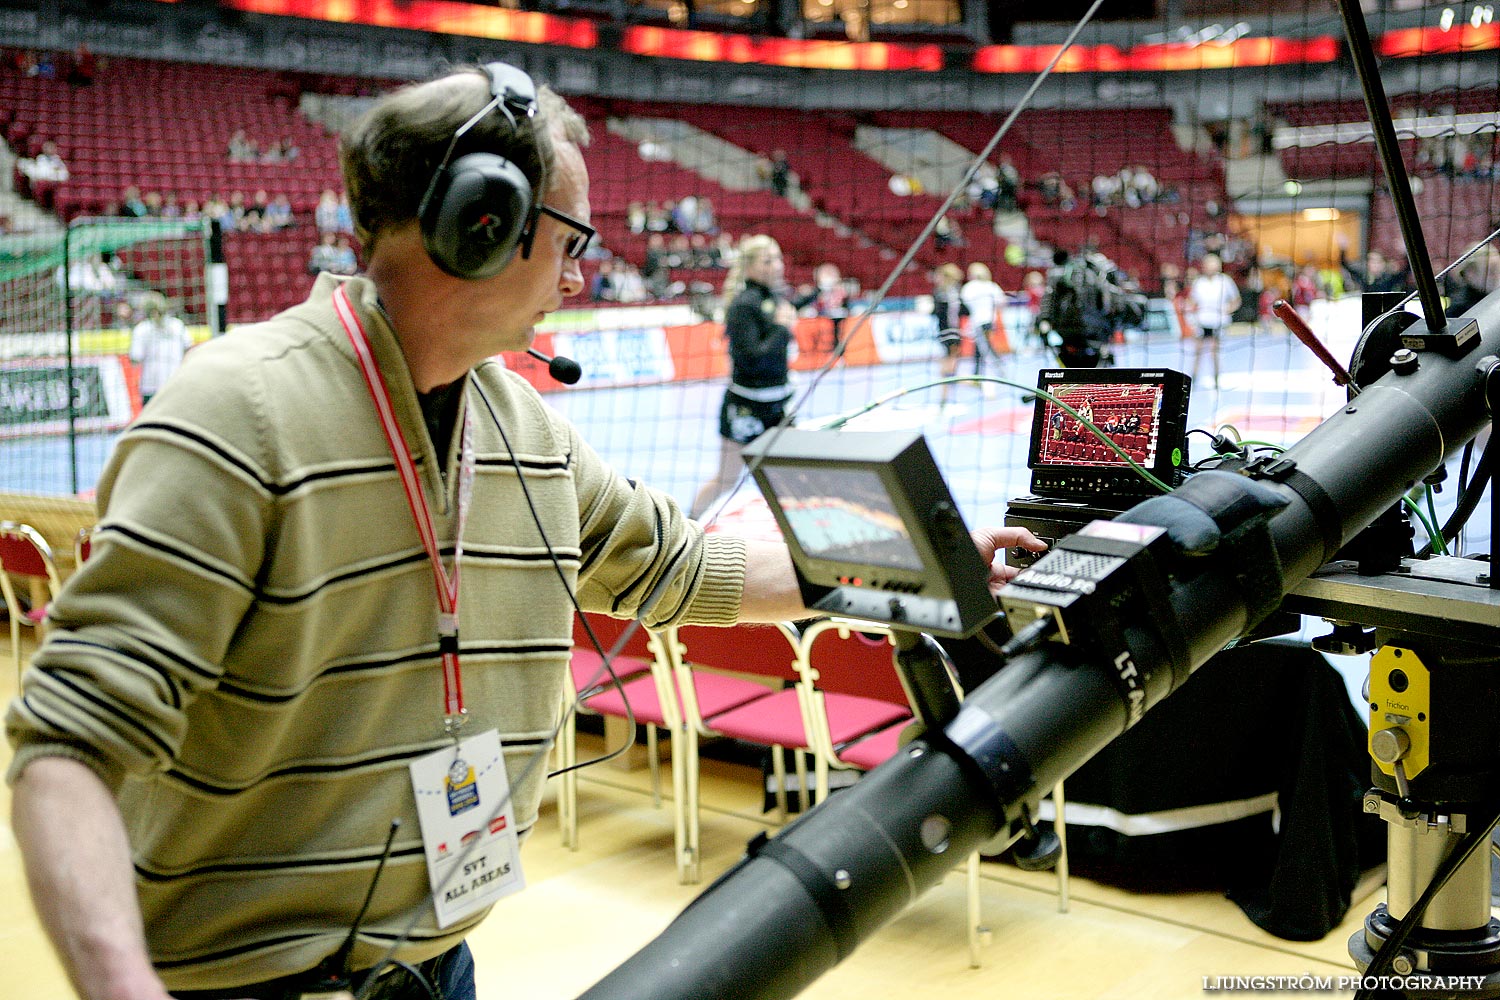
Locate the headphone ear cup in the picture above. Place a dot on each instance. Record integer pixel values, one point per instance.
(474, 219)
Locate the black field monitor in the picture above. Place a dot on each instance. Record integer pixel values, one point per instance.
(873, 531)
(1142, 410)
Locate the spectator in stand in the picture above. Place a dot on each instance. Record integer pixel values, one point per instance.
(724, 251)
(47, 166)
(158, 344)
(191, 211)
(44, 66)
(1105, 190)
(1143, 188)
(326, 213)
(154, 204)
(344, 217)
(1377, 274)
(658, 217)
(1305, 290)
(345, 260)
(84, 67)
(325, 255)
(635, 217)
(830, 299)
(628, 284)
(708, 222)
(685, 214)
(237, 209)
(1008, 191)
(656, 273)
(1472, 282)
(781, 174)
(89, 277)
(1056, 192)
(218, 209)
(700, 251)
(680, 252)
(242, 149)
(983, 188)
(253, 219)
(602, 285)
(983, 299)
(278, 214)
(1214, 298)
(169, 207)
(947, 234)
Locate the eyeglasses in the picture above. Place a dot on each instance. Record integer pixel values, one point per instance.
(578, 243)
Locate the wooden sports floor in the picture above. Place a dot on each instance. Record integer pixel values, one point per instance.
(583, 912)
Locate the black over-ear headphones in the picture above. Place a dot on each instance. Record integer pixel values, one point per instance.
(477, 208)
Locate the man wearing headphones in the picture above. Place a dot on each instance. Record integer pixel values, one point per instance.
(267, 713)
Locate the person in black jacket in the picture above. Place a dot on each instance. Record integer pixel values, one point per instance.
(757, 322)
(1378, 274)
(1473, 281)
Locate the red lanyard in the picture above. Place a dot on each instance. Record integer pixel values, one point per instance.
(454, 714)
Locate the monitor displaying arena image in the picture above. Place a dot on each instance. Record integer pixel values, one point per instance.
(1141, 412)
(844, 515)
(1128, 416)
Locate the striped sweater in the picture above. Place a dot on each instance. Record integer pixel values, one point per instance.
(250, 655)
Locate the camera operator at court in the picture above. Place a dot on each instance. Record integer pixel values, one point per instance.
(1087, 299)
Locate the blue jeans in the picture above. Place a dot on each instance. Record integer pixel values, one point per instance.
(451, 975)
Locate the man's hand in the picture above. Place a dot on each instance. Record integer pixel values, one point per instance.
(993, 542)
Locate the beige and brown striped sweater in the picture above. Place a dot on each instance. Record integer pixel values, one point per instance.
(250, 655)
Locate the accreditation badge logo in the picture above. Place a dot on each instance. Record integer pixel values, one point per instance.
(463, 791)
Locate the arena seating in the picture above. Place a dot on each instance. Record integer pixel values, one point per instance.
(1361, 159)
(859, 224)
(621, 176)
(1097, 141)
(1459, 213)
(181, 148)
(842, 181)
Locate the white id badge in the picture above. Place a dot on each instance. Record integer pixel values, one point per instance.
(473, 855)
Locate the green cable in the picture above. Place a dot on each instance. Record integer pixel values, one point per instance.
(1139, 469)
(1415, 510)
(1439, 544)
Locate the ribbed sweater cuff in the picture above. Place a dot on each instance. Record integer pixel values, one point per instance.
(717, 601)
(29, 751)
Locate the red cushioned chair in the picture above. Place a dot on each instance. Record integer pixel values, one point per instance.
(25, 554)
(591, 679)
(716, 701)
(662, 698)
